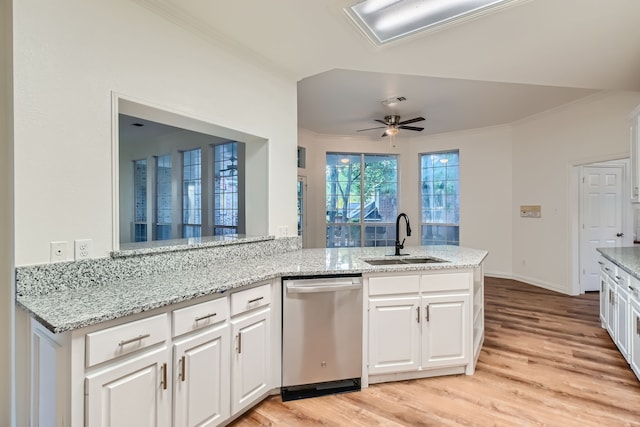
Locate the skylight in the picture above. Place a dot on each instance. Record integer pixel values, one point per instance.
(384, 21)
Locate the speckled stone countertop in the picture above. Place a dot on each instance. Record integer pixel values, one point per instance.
(67, 308)
(628, 258)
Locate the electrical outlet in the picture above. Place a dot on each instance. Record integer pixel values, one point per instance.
(58, 251)
(283, 231)
(82, 249)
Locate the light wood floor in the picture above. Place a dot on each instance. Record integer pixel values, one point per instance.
(545, 361)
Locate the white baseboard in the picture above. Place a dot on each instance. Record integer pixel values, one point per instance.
(531, 281)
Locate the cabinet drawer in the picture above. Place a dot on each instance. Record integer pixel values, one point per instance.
(445, 282)
(394, 285)
(250, 299)
(124, 339)
(200, 315)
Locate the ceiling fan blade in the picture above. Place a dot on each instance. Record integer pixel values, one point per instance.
(406, 122)
(381, 121)
(411, 128)
(379, 127)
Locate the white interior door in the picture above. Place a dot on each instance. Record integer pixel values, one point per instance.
(601, 207)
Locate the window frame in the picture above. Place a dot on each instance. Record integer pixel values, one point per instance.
(362, 225)
(424, 224)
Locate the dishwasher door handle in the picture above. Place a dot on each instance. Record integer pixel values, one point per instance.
(297, 289)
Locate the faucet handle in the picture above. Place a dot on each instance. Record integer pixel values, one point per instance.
(402, 244)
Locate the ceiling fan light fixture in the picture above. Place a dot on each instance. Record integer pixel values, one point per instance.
(392, 131)
(383, 21)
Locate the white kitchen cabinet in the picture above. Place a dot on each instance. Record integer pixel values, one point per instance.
(423, 325)
(445, 330)
(604, 300)
(113, 373)
(622, 309)
(611, 310)
(201, 378)
(634, 342)
(251, 361)
(131, 393)
(394, 334)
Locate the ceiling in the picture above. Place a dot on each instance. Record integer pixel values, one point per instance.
(496, 69)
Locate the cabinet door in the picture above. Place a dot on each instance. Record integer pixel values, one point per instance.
(201, 379)
(394, 334)
(622, 321)
(604, 300)
(634, 342)
(445, 330)
(131, 393)
(611, 312)
(251, 359)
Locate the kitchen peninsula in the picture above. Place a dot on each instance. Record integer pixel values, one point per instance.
(162, 326)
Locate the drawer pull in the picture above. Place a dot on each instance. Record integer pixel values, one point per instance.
(607, 269)
(631, 288)
(164, 376)
(427, 315)
(206, 316)
(239, 342)
(132, 340)
(600, 262)
(182, 368)
(251, 301)
(418, 314)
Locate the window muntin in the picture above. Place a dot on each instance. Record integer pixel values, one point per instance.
(226, 190)
(191, 193)
(440, 198)
(361, 207)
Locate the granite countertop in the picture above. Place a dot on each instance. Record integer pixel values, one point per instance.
(68, 309)
(628, 258)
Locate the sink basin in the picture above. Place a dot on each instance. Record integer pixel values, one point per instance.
(403, 261)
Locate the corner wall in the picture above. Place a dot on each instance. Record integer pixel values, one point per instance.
(70, 57)
(7, 295)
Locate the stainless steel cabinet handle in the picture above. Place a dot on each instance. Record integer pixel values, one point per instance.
(206, 316)
(427, 315)
(607, 269)
(600, 262)
(164, 376)
(631, 288)
(182, 368)
(618, 277)
(132, 340)
(619, 234)
(418, 314)
(239, 342)
(254, 300)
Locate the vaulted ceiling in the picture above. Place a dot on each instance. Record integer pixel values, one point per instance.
(496, 69)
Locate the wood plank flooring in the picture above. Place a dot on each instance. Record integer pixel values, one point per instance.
(545, 362)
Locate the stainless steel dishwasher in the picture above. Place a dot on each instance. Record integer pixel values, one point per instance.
(321, 335)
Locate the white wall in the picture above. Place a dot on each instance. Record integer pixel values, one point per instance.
(485, 189)
(7, 306)
(69, 57)
(485, 185)
(545, 149)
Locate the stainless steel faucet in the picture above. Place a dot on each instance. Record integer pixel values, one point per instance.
(398, 244)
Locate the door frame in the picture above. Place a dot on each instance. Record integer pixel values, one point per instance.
(576, 171)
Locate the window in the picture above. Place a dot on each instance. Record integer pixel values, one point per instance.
(440, 179)
(361, 208)
(225, 187)
(191, 193)
(164, 206)
(140, 200)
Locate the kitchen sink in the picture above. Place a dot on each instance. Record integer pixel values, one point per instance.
(403, 261)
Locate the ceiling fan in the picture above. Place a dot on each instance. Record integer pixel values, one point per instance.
(393, 125)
